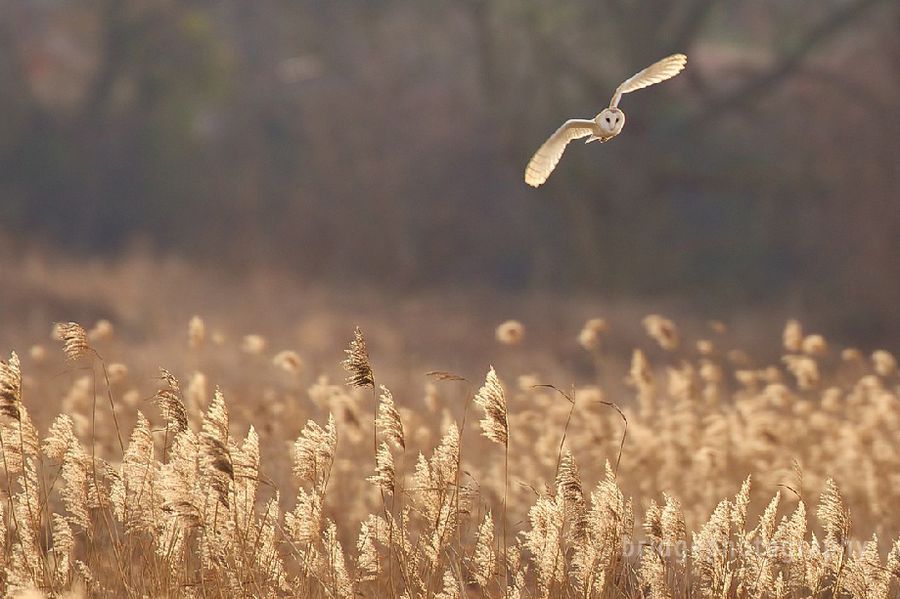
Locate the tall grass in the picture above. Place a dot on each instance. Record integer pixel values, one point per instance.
(376, 498)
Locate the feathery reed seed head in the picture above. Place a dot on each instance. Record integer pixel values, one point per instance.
(101, 331)
(288, 361)
(884, 363)
(510, 332)
(357, 362)
(254, 345)
(196, 332)
(792, 337)
(663, 331)
(10, 387)
(74, 339)
(491, 399)
(388, 419)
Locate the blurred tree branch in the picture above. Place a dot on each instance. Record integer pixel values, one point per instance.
(853, 92)
(113, 56)
(783, 67)
(695, 17)
(10, 55)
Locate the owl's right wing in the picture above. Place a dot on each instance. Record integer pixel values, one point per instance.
(547, 157)
(659, 71)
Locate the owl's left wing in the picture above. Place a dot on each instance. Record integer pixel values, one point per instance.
(547, 157)
(659, 71)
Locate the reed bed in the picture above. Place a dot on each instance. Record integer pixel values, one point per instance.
(704, 477)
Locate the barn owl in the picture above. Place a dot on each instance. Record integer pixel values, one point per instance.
(604, 126)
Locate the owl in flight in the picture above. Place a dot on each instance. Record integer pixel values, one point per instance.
(604, 126)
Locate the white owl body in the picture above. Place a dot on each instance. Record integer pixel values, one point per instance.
(604, 126)
(610, 122)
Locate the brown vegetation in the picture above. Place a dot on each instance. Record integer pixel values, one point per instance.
(422, 502)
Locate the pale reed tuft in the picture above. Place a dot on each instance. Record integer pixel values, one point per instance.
(893, 560)
(63, 547)
(304, 522)
(653, 521)
(450, 589)
(652, 572)
(705, 347)
(357, 362)
(10, 387)
(884, 363)
(337, 580)
(196, 332)
(852, 355)
(288, 361)
(177, 481)
(388, 420)
(38, 353)
(385, 476)
(367, 562)
(510, 332)
(491, 399)
(133, 496)
(195, 396)
(246, 474)
(640, 376)
(591, 334)
(709, 551)
(313, 451)
(19, 439)
(739, 506)
(170, 403)
(215, 457)
(663, 331)
(254, 345)
(814, 345)
(60, 437)
(792, 337)
(568, 481)
(832, 513)
(76, 492)
(102, 331)
(788, 542)
(766, 527)
(674, 529)
(28, 592)
(74, 339)
(437, 495)
(484, 559)
(543, 540)
(117, 373)
(804, 369)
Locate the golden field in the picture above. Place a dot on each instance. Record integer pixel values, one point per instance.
(158, 450)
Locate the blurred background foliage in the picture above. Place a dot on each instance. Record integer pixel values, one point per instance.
(384, 141)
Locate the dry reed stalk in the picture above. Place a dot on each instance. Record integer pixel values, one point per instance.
(495, 426)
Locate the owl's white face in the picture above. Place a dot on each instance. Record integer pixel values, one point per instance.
(611, 121)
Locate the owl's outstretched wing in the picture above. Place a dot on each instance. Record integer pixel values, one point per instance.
(659, 71)
(547, 157)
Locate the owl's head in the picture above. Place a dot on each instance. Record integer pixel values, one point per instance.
(611, 121)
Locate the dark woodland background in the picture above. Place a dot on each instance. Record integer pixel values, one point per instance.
(384, 142)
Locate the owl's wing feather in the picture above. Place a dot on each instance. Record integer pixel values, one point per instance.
(659, 71)
(547, 157)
